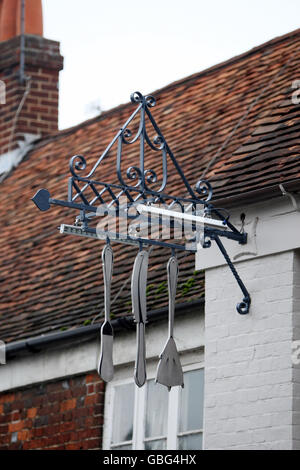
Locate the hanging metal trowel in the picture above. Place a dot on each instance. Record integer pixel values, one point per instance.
(139, 310)
(169, 370)
(106, 368)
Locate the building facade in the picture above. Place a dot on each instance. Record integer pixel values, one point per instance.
(237, 123)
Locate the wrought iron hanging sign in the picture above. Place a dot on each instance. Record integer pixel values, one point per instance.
(141, 198)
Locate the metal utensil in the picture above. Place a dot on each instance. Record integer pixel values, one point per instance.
(106, 368)
(169, 370)
(139, 310)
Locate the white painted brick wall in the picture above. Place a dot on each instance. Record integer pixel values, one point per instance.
(252, 390)
(296, 368)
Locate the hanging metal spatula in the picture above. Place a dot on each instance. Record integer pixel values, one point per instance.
(106, 368)
(169, 370)
(139, 309)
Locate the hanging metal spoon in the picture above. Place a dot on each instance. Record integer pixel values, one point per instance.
(139, 309)
(106, 368)
(169, 370)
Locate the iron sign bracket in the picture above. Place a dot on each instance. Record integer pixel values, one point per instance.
(140, 185)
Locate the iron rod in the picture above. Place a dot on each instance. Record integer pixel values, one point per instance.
(117, 237)
(242, 307)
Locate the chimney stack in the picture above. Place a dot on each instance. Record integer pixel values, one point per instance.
(28, 106)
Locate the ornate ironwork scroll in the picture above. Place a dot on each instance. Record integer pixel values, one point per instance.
(139, 184)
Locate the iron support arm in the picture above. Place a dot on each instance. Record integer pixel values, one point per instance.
(242, 307)
(237, 236)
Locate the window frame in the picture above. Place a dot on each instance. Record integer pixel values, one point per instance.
(140, 395)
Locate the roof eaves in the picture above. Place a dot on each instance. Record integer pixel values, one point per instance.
(258, 195)
(36, 344)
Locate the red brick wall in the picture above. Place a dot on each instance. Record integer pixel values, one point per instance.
(39, 114)
(65, 414)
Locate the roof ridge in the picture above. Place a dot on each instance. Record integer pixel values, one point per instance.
(277, 40)
(231, 60)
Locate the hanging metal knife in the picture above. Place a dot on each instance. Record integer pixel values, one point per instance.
(106, 368)
(139, 309)
(169, 370)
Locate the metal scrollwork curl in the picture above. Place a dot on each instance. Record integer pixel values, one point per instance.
(203, 187)
(151, 176)
(158, 142)
(136, 97)
(133, 173)
(150, 101)
(126, 134)
(244, 306)
(77, 163)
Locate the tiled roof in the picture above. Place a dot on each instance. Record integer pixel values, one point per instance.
(49, 281)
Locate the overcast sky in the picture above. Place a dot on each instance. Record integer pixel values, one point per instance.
(114, 47)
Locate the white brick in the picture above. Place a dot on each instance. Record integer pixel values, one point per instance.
(252, 399)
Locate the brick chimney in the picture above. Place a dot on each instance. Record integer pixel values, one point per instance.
(28, 99)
